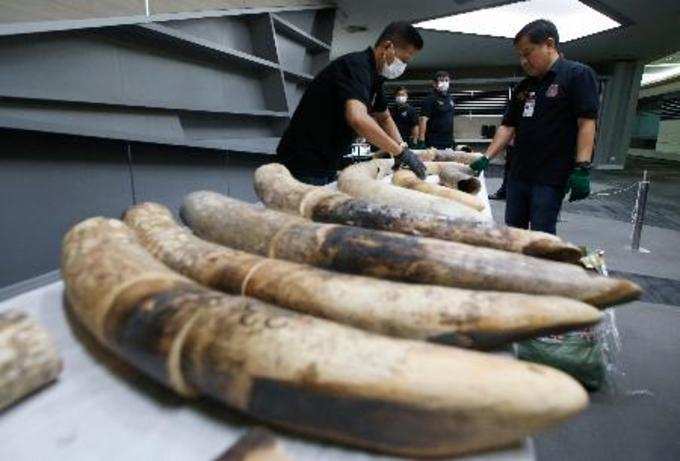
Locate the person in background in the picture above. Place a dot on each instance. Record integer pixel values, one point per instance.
(405, 117)
(552, 116)
(346, 99)
(501, 193)
(436, 115)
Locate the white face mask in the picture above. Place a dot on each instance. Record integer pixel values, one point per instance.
(443, 86)
(394, 70)
(401, 99)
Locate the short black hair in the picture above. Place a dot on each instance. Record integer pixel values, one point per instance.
(401, 33)
(441, 74)
(539, 32)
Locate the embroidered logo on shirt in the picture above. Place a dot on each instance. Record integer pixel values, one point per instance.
(404, 114)
(553, 91)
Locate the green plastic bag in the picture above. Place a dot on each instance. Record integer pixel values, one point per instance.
(578, 354)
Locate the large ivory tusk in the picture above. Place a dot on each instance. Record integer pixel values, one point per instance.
(279, 190)
(257, 444)
(306, 374)
(455, 176)
(363, 180)
(447, 155)
(449, 315)
(387, 255)
(28, 357)
(408, 179)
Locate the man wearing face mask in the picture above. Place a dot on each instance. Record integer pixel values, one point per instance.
(345, 99)
(436, 116)
(552, 116)
(405, 117)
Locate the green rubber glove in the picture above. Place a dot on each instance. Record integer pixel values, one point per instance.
(579, 184)
(480, 164)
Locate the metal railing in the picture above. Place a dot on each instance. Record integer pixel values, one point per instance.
(638, 216)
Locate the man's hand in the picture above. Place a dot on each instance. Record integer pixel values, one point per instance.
(411, 160)
(480, 164)
(579, 184)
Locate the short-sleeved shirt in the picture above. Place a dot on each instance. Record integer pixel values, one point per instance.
(438, 108)
(405, 117)
(545, 113)
(318, 135)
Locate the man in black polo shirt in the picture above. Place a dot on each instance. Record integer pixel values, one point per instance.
(346, 99)
(552, 115)
(436, 115)
(405, 117)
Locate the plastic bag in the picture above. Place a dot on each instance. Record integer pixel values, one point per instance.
(589, 355)
(578, 354)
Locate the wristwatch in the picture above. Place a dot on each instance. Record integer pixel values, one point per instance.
(583, 165)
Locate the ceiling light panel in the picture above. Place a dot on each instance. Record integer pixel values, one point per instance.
(572, 18)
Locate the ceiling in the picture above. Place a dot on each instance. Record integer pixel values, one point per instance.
(653, 32)
(13, 11)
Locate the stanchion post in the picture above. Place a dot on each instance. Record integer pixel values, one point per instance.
(640, 205)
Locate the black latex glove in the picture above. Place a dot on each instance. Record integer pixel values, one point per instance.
(410, 159)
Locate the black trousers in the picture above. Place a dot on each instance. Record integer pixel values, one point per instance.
(315, 178)
(439, 142)
(529, 204)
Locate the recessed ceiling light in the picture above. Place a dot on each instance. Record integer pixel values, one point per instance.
(657, 73)
(572, 18)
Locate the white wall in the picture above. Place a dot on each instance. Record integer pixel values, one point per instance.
(667, 143)
(465, 127)
(668, 140)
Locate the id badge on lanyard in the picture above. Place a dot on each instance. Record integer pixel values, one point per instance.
(529, 105)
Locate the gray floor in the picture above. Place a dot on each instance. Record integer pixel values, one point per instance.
(639, 417)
